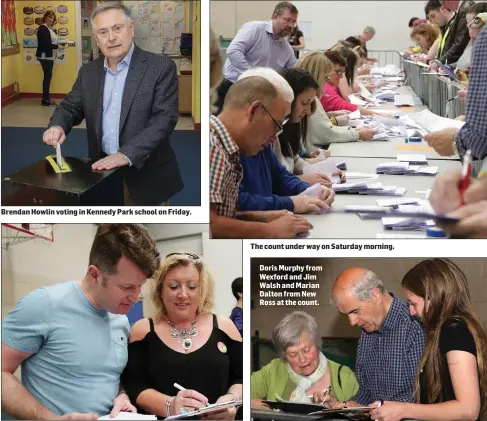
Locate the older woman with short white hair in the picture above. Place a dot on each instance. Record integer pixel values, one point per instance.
(301, 373)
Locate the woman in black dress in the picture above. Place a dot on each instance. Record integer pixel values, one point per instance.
(186, 344)
(296, 39)
(46, 45)
(451, 384)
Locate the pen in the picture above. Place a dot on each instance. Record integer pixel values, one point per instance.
(182, 389)
(466, 170)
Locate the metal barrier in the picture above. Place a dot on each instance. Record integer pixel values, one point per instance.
(436, 92)
(385, 57)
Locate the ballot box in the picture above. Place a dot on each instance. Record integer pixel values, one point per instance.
(39, 185)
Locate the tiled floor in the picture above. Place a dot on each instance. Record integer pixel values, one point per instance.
(29, 113)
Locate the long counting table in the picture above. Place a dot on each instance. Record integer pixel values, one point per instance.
(350, 225)
(392, 147)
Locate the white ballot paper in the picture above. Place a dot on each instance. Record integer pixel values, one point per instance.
(414, 159)
(59, 159)
(432, 122)
(129, 416)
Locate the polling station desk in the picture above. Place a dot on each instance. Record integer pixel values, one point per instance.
(349, 225)
(39, 185)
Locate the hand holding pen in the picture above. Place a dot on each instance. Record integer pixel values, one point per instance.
(185, 401)
(466, 171)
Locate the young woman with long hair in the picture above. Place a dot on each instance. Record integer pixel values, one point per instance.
(451, 382)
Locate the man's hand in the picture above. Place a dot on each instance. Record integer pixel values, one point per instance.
(306, 204)
(462, 94)
(327, 195)
(54, 135)
(442, 141)
(122, 404)
(365, 133)
(288, 226)
(110, 162)
(445, 194)
(473, 221)
(77, 416)
(315, 179)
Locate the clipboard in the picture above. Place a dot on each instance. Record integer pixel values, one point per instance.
(296, 407)
(352, 409)
(207, 410)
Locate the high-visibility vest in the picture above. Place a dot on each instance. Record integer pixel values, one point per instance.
(444, 37)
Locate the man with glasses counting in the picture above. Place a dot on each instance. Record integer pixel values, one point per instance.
(260, 44)
(253, 113)
(129, 99)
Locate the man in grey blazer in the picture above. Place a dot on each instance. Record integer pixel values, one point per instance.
(129, 99)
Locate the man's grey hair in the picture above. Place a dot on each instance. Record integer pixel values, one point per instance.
(112, 5)
(369, 30)
(282, 7)
(289, 331)
(244, 92)
(364, 287)
(281, 84)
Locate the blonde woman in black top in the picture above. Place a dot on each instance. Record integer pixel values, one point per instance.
(451, 383)
(186, 344)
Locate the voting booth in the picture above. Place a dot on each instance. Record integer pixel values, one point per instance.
(39, 185)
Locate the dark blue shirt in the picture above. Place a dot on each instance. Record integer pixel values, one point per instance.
(266, 184)
(387, 360)
(237, 318)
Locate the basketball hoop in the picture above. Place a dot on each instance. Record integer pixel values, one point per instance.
(13, 234)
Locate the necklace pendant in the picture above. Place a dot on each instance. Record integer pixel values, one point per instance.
(187, 343)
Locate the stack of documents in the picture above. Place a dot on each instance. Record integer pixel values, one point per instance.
(413, 159)
(401, 168)
(403, 100)
(408, 223)
(369, 188)
(386, 95)
(355, 100)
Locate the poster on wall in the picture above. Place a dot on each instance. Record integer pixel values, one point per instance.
(60, 57)
(30, 57)
(10, 43)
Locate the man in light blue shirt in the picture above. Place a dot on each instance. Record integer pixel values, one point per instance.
(260, 44)
(71, 338)
(112, 103)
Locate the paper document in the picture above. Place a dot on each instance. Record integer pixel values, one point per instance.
(327, 166)
(355, 100)
(129, 416)
(432, 122)
(403, 100)
(353, 175)
(398, 201)
(354, 115)
(404, 168)
(413, 159)
(393, 236)
(312, 191)
(59, 159)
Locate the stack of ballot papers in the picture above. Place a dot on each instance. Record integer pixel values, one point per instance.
(388, 71)
(386, 95)
(432, 122)
(404, 168)
(413, 159)
(408, 223)
(369, 188)
(355, 100)
(403, 100)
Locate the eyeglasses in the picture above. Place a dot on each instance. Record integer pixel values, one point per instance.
(339, 71)
(279, 126)
(289, 21)
(190, 255)
(476, 22)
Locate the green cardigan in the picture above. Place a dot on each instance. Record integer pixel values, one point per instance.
(273, 379)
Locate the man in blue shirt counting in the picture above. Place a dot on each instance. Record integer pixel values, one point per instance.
(70, 338)
(391, 342)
